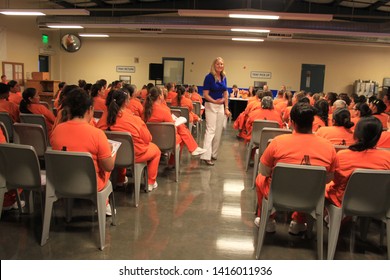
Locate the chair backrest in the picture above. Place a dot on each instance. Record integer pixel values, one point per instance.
(31, 134)
(297, 187)
(6, 119)
(33, 118)
(340, 147)
(71, 174)
(258, 126)
(163, 135)
(176, 112)
(196, 107)
(184, 113)
(125, 156)
(97, 114)
(267, 134)
(5, 132)
(368, 193)
(21, 165)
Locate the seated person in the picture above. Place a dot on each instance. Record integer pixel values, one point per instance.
(118, 118)
(182, 101)
(30, 105)
(360, 110)
(6, 106)
(134, 104)
(99, 101)
(77, 135)
(235, 92)
(322, 114)
(361, 154)
(311, 150)
(340, 133)
(15, 96)
(378, 108)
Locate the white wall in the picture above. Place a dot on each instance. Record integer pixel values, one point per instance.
(98, 58)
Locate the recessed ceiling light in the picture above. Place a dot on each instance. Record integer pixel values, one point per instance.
(93, 35)
(250, 30)
(22, 13)
(65, 26)
(254, 16)
(248, 39)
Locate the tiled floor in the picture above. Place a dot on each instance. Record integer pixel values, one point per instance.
(207, 215)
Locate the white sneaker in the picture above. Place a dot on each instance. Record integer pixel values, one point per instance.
(108, 210)
(198, 151)
(296, 228)
(14, 206)
(270, 227)
(123, 183)
(152, 186)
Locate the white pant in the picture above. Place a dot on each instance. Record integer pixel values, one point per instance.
(215, 116)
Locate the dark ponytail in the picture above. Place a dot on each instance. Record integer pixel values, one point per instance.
(153, 95)
(322, 110)
(180, 92)
(367, 133)
(27, 94)
(342, 117)
(115, 101)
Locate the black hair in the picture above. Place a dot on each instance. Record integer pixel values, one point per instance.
(12, 83)
(82, 84)
(103, 82)
(368, 130)
(4, 90)
(302, 114)
(64, 93)
(77, 103)
(364, 110)
(180, 90)
(169, 86)
(342, 117)
(362, 99)
(322, 110)
(304, 99)
(380, 106)
(355, 98)
(331, 97)
(95, 89)
(27, 94)
(115, 100)
(130, 89)
(345, 97)
(153, 95)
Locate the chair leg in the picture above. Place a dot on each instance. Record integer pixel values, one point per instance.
(113, 208)
(46, 219)
(101, 209)
(335, 215)
(177, 164)
(68, 209)
(388, 237)
(265, 213)
(137, 182)
(248, 155)
(3, 190)
(320, 235)
(255, 168)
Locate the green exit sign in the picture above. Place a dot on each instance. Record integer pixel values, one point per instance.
(45, 39)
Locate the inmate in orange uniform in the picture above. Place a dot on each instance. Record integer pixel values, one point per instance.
(384, 118)
(384, 141)
(337, 135)
(89, 139)
(261, 114)
(144, 149)
(161, 113)
(348, 161)
(317, 123)
(99, 103)
(296, 148)
(171, 96)
(9, 196)
(15, 97)
(37, 108)
(186, 102)
(11, 108)
(136, 107)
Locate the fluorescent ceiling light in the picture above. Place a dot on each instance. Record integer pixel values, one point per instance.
(22, 13)
(248, 39)
(254, 16)
(250, 30)
(64, 26)
(93, 35)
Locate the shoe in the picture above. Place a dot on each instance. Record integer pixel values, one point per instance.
(198, 151)
(14, 206)
(270, 227)
(213, 158)
(123, 183)
(208, 162)
(152, 186)
(108, 210)
(296, 228)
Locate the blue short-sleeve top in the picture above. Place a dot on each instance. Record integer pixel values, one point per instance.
(215, 88)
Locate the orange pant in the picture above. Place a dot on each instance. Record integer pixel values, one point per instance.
(187, 138)
(152, 157)
(262, 189)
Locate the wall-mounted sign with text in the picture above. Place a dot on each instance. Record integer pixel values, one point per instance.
(261, 74)
(125, 69)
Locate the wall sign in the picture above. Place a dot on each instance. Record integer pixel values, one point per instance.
(261, 74)
(125, 69)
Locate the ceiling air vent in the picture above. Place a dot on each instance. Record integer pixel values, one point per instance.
(151, 30)
(279, 36)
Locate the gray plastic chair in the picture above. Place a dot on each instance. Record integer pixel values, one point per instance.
(31, 134)
(72, 175)
(367, 195)
(5, 132)
(184, 113)
(164, 136)
(35, 119)
(125, 158)
(266, 135)
(340, 147)
(97, 114)
(21, 170)
(6, 119)
(295, 188)
(176, 112)
(258, 126)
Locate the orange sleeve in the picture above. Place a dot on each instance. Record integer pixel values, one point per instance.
(104, 149)
(2, 137)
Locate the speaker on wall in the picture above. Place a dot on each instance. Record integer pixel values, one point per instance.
(156, 71)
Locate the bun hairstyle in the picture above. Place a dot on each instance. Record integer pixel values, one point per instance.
(116, 99)
(302, 114)
(364, 109)
(342, 117)
(154, 94)
(76, 103)
(27, 94)
(267, 103)
(368, 130)
(322, 110)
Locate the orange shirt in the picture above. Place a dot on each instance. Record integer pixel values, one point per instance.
(127, 122)
(186, 102)
(78, 136)
(263, 114)
(11, 108)
(2, 137)
(40, 109)
(171, 96)
(197, 97)
(15, 97)
(383, 118)
(312, 150)
(252, 105)
(348, 162)
(317, 123)
(384, 141)
(143, 94)
(281, 106)
(337, 135)
(99, 103)
(136, 107)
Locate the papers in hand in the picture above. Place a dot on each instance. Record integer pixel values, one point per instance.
(115, 146)
(179, 120)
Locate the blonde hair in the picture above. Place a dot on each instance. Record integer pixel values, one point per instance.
(212, 70)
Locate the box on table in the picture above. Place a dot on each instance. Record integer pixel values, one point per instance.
(40, 75)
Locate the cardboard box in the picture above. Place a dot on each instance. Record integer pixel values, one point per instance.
(40, 75)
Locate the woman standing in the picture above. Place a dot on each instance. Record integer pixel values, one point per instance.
(216, 108)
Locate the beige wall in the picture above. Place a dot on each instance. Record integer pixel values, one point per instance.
(98, 58)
